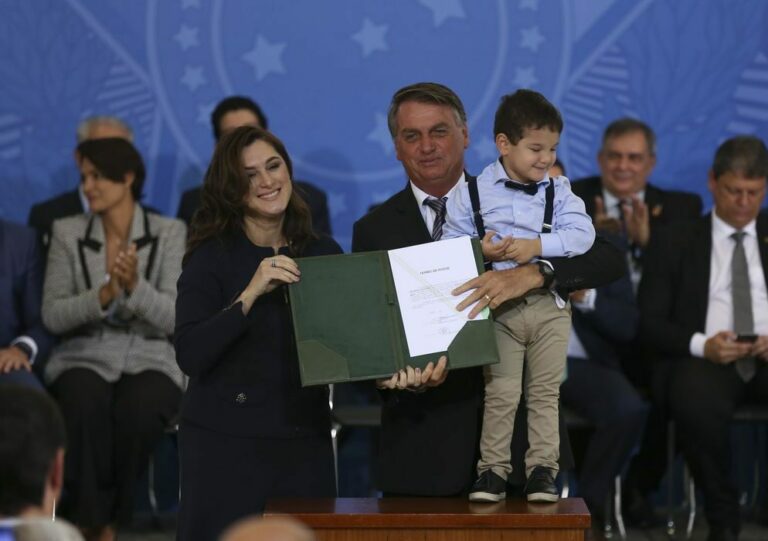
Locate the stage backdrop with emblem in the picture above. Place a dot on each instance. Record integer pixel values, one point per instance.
(324, 71)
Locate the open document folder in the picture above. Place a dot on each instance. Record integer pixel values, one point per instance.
(367, 315)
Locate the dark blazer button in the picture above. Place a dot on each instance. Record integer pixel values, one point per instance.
(241, 398)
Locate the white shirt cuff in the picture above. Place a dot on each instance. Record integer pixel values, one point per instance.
(697, 344)
(587, 304)
(29, 342)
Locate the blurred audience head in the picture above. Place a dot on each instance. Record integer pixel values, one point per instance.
(115, 160)
(234, 112)
(103, 127)
(229, 192)
(32, 440)
(737, 179)
(557, 169)
(627, 157)
(268, 529)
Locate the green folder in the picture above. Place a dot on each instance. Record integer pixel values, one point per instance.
(348, 327)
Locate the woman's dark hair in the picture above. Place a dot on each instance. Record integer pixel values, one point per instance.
(223, 199)
(113, 157)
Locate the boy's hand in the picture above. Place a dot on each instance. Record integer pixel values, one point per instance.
(494, 251)
(523, 250)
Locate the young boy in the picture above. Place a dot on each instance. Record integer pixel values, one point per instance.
(512, 199)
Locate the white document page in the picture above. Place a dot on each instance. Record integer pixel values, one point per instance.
(424, 276)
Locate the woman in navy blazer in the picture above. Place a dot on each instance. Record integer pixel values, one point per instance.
(248, 430)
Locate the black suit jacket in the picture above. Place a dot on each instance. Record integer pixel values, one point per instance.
(674, 292)
(315, 198)
(21, 285)
(429, 441)
(612, 324)
(42, 215)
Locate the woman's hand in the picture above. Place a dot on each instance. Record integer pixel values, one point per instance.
(272, 272)
(415, 379)
(109, 291)
(126, 268)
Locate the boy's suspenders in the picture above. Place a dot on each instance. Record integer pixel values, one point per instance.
(474, 197)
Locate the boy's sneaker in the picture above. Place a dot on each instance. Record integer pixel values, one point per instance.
(489, 487)
(541, 487)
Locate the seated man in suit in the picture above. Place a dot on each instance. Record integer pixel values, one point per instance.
(704, 305)
(429, 440)
(231, 113)
(621, 200)
(605, 319)
(43, 214)
(23, 339)
(32, 439)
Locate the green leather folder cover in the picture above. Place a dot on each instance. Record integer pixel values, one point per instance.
(347, 322)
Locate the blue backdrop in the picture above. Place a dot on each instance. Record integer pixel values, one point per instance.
(696, 70)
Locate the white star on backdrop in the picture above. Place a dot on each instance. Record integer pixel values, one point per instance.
(337, 203)
(193, 78)
(380, 134)
(265, 57)
(204, 113)
(190, 4)
(371, 37)
(531, 38)
(533, 5)
(525, 78)
(187, 37)
(444, 9)
(485, 149)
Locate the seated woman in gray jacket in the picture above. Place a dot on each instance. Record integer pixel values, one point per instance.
(109, 292)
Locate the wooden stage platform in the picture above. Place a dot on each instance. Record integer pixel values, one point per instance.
(433, 519)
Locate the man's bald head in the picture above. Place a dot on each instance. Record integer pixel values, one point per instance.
(268, 529)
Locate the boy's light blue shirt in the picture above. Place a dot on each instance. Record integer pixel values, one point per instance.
(514, 213)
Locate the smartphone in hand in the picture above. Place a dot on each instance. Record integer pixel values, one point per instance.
(746, 338)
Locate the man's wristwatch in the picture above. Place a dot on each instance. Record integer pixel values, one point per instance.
(547, 272)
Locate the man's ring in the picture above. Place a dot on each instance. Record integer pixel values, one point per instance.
(274, 263)
(487, 298)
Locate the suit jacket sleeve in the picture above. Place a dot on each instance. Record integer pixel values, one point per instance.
(658, 296)
(155, 303)
(205, 324)
(31, 300)
(602, 264)
(64, 308)
(616, 316)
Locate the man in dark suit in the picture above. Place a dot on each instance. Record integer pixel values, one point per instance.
(43, 214)
(428, 125)
(231, 113)
(621, 200)
(23, 339)
(597, 389)
(704, 305)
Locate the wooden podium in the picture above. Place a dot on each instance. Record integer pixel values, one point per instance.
(433, 519)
